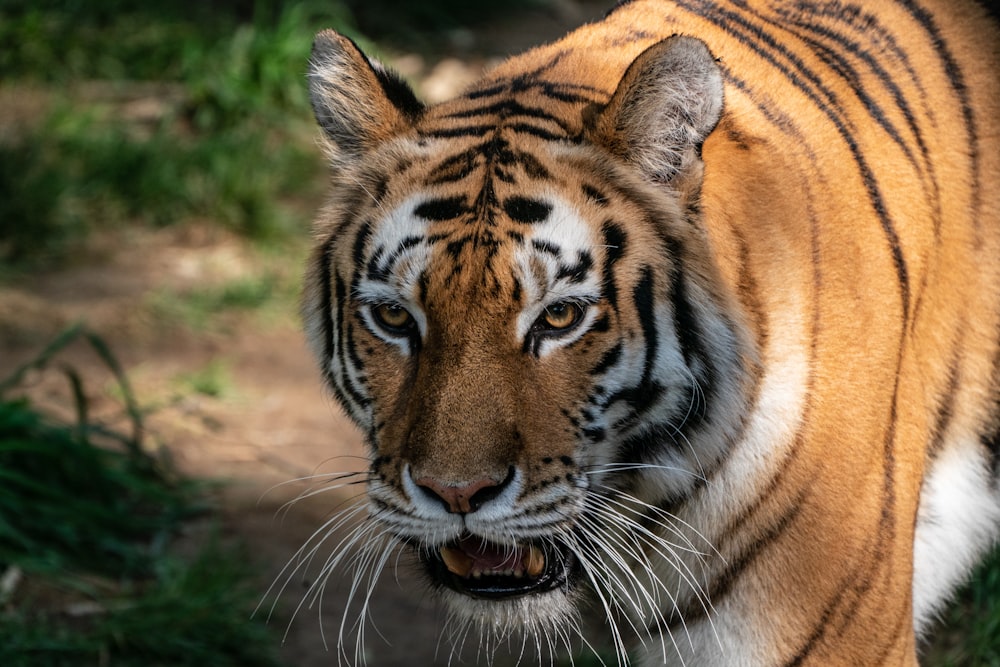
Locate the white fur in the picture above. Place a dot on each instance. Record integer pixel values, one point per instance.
(397, 225)
(537, 271)
(958, 520)
(731, 637)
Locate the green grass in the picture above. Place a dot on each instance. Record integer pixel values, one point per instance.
(187, 613)
(268, 295)
(63, 41)
(213, 380)
(78, 174)
(89, 529)
(970, 629)
(430, 27)
(231, 140)
(205, 603)
(66, 503)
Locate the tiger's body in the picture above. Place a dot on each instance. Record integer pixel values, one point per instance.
(705, 336)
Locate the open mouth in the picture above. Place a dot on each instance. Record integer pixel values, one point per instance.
(483, 569)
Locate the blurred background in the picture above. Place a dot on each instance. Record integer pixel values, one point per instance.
(158, 409)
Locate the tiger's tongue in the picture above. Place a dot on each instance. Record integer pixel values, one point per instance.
(473, 557)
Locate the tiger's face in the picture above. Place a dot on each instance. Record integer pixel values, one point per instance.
(529, 331)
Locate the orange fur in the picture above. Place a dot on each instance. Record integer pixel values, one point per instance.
(822, 258)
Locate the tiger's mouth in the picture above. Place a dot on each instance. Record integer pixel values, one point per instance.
(482, 569)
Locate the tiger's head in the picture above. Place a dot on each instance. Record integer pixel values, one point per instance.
(512, 296)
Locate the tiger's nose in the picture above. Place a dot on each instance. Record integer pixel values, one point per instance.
(463, 498)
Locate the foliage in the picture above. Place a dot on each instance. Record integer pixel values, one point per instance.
(75, 174)
(89, 528)
(230, 136)
(189, 614)
(427, 25)
(205, 308)
(134, 40)
(970, 632)
(213, 379)
(65, 502)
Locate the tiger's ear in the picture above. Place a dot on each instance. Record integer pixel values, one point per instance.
(356, 100)
(668, 101)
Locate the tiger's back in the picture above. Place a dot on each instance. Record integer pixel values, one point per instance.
(714, 336)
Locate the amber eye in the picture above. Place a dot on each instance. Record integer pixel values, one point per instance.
(561, 316)
(393, 318)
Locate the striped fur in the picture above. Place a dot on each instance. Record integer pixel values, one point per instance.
(701, 301)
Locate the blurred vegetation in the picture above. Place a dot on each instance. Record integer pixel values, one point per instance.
(88, 574)
(153, 113)
(200, 112)
(969, 634)
(433, 27)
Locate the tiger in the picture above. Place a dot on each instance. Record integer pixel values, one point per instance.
(688, 321)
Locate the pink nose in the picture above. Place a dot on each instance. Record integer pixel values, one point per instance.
(461, 498)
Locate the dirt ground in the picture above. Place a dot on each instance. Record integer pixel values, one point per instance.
(272, 423)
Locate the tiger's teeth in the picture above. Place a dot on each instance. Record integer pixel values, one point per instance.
(535, 562)
(457, 561)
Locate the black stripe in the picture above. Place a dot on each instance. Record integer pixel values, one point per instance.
(358, 252)
(352, 351)
(455, 168)
(766, 46)
(578, 272)
(531, 81)
(526, 210)
(375, 270)
(722, 585)
(496, 150)
(462, 131)
(326, 309)
(643, 298)
(608, 359)
(685, 321)
(444, 208)
(614, 248)
(867, 24)
(480, 130)
(991, 435)
(640, 397)
(343, 386)
(602, 324)
(546, 247)
(749, 291)
(818, 630)
(595, 195)
(954, 72)
(422, 286)
(837, 61)
(396, 90)
(541, 133)
(510, 108)
(488, 92)
(561, 93)
(885, 534)
(945, 411)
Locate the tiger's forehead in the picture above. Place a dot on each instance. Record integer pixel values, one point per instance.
(433, 241)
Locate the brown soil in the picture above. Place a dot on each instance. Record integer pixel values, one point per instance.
(272, 422)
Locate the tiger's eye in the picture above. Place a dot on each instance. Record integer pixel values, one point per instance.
(561, 315)
(392, 317)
